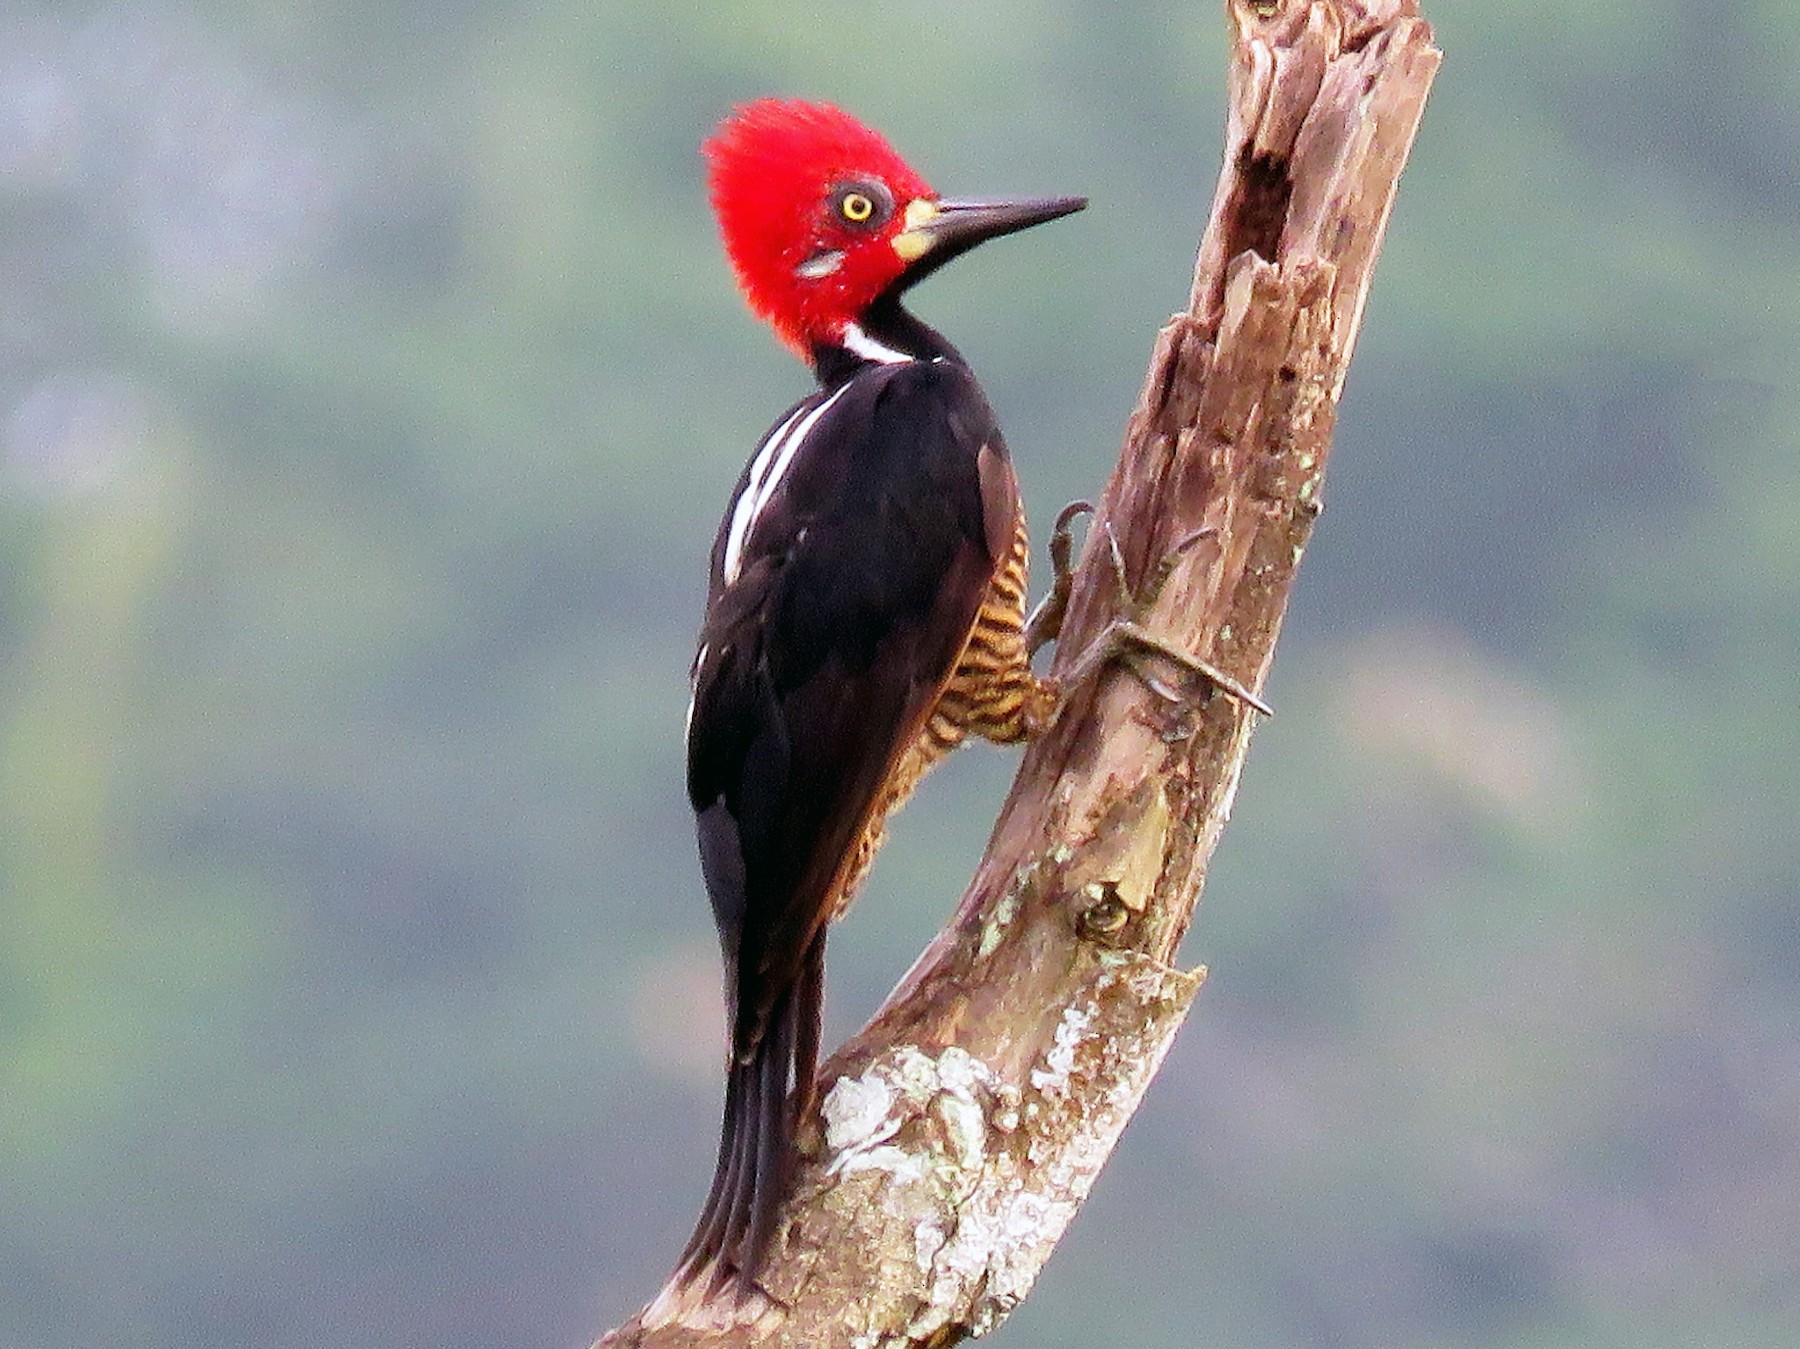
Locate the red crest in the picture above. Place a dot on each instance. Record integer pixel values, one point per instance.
(808, 201)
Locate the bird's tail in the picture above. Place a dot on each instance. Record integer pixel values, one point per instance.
(756, 1143)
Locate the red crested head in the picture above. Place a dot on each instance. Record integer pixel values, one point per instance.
(810, 202)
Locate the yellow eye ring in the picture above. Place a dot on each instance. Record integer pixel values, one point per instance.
(856, 208)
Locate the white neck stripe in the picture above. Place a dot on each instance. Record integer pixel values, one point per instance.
(859, 342)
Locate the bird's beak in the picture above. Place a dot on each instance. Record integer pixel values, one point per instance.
(933, 232)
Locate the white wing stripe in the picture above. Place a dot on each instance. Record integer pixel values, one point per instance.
(772, 463)
(687, 727)
(744, 507)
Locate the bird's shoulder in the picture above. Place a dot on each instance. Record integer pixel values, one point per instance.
(869, 521)
(907, 443)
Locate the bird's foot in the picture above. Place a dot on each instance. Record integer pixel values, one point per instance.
(1125, 639)
(1045, 624)
(1139, 650)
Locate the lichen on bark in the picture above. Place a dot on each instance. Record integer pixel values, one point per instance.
(957, 1133)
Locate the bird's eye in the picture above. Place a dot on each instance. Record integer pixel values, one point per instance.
(862, 205)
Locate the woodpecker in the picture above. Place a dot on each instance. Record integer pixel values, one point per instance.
(865, 610)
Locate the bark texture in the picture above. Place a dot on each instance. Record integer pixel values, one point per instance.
(959, 1131)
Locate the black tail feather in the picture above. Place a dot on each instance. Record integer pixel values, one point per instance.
(709, 1232)
(736, 1227)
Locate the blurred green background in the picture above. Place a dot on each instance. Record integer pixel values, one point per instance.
(370, 385)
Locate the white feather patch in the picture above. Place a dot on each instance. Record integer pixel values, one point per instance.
(771, 465)
(858, 341)
(819, 266)
(687, 727)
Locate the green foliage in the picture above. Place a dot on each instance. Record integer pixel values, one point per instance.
(372, 384)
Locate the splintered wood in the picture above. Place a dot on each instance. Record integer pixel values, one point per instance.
(960, 1130)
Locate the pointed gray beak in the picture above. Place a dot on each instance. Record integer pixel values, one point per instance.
(936, 231)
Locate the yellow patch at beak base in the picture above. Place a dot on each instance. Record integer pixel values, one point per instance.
(915, 241)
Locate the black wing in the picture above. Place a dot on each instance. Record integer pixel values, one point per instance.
(846, 578)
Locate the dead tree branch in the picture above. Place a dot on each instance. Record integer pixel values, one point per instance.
(961, 1129)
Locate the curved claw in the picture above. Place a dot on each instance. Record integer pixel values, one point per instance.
(1128, 643)
(1062, 543)
(1066, 517)
(1045, 623)
(1165, 565)
(1224, 683)
(1127, 599)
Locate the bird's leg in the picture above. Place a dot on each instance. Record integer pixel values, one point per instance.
(1126, 639)
(1045, 624)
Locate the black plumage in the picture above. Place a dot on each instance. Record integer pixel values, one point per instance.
(865, 611)
(833, 623)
